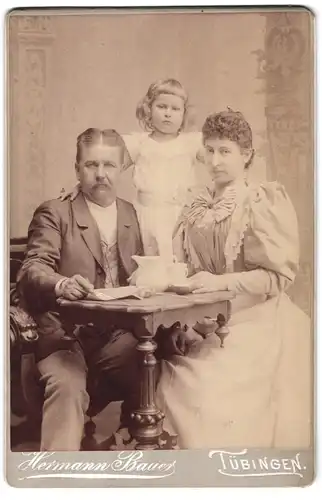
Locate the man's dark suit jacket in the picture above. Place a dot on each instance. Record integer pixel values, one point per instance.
(63, 240)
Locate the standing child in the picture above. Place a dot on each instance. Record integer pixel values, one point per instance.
(163, 158)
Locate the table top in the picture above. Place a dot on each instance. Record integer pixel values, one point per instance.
(157, 303)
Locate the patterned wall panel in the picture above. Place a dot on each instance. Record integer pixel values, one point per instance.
(285, 67)
(32, 39)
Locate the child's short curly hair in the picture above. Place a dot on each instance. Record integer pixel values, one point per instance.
(166, 86)
(229, 125)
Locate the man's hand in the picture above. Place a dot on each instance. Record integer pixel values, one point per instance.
(75, 288)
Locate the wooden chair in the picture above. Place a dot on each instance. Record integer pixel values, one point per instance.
(23, 338)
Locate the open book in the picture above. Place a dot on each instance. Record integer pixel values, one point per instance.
(122, 292)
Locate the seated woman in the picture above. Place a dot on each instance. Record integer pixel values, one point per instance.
(256, 392)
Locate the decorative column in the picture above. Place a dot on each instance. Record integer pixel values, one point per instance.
(30, 40)
(286, 70)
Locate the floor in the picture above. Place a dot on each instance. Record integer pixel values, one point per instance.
(106, 423)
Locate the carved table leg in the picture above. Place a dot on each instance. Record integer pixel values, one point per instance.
(89, 442)
(222, 331)
(147, 419)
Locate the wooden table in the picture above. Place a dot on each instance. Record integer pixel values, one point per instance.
(143, 317)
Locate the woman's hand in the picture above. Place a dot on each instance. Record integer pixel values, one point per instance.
(145, 292)
(205, 282)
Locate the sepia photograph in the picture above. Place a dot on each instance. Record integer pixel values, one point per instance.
(160, 244)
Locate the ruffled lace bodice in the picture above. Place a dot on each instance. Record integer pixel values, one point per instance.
(245, 228)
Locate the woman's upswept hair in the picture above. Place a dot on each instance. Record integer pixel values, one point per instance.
(230, 125)
(166, 86)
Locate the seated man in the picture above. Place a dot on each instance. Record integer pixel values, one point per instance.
(75, 246)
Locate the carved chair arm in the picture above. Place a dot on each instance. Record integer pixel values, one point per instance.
(23, 329)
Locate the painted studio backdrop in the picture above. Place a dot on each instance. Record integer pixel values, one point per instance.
(71, 72)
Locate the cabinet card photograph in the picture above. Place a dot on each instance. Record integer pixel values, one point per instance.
(160, 245)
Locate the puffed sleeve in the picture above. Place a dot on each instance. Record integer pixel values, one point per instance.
(272, 240)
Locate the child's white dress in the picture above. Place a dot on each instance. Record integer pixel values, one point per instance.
(164, 175)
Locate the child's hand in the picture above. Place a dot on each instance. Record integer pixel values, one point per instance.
(72, 195)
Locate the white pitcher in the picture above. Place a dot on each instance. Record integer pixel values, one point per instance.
(157, 273)
(177, 272)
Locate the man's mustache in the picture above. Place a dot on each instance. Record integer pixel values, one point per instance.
(106, 184)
